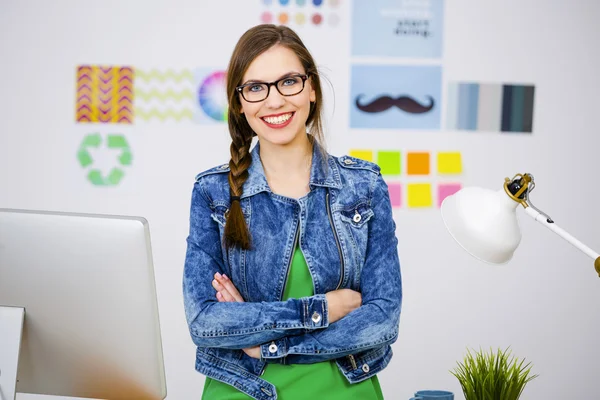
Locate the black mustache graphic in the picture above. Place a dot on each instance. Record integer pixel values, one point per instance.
(404, 103)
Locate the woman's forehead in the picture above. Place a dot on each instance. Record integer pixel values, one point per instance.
(273, 64)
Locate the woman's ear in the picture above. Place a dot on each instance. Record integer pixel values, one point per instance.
(313, 94)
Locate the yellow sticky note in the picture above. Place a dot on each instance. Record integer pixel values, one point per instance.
(366, 155)
(449, 163)
(419, 195)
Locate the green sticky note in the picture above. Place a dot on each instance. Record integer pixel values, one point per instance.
(389, 161)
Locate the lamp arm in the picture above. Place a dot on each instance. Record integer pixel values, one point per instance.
(549, 223)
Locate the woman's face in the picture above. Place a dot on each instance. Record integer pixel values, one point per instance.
(279, 120)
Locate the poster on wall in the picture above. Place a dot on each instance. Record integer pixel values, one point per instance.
(211, 95)
(397, 28)
(490, 107)
(395, 96)
(164, 95)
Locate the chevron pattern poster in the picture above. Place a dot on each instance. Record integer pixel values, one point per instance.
(104, 95)
(164, 95)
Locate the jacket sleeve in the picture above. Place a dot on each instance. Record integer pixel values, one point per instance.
(233, 325)
(375, 322)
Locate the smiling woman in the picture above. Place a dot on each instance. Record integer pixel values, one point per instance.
(292, 282)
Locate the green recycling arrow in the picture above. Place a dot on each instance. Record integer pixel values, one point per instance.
(112, 142)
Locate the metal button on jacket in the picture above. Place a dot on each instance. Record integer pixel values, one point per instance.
(356, 217)
(316, 317)
(365, 368)
(273, 348)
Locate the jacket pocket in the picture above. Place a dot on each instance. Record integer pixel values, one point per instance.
(220, 215)
(357, 215)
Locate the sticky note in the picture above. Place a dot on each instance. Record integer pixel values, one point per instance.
(389, 161)
(419, 195)
(366, 155)
(449, 163)
(395, 190)
(417, 163)
(445, 190)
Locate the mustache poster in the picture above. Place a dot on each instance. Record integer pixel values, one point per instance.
(404, 103)
(395, 96)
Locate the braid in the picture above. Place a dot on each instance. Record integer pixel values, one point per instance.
(236, 230)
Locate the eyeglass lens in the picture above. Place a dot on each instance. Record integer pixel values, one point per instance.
(287, 87)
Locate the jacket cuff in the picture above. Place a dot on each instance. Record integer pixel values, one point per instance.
(274, 352)
(315, 315)
(315, 312)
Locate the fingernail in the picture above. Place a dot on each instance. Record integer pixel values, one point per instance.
(225, 276)
(218, 275)
(219, 294)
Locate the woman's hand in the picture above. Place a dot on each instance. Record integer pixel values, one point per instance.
(341, 302)
(227, 292)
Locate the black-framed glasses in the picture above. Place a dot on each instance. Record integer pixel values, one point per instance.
(254, 92)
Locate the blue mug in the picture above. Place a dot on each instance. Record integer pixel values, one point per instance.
(433, 395)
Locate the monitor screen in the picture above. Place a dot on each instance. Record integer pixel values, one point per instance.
(86, 282)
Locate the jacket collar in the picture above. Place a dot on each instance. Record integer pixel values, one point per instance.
(323, 172)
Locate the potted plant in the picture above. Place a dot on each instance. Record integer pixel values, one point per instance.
(492, 376)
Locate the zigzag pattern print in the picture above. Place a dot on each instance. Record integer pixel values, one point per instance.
(104, 94)
(163, 96)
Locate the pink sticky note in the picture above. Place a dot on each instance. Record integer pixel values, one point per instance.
(395, 190)
(445, 190)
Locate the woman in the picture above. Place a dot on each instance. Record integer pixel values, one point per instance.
(292, 282)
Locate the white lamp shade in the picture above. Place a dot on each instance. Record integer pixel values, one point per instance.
(483, 222)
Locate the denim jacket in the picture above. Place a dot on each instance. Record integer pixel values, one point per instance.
(345, 230)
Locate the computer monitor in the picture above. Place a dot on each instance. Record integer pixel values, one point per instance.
(86, 282)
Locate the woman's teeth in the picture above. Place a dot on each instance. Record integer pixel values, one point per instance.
(279, 119)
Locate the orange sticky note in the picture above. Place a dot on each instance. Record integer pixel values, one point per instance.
(449, 163)
(419, 195)
(366, 155)
(417, 163)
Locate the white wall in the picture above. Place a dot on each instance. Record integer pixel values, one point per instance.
(545, 304)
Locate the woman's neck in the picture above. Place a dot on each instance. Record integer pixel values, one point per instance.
(291, 159)
(287, 168)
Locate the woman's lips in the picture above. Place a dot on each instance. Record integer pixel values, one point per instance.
(279, 125)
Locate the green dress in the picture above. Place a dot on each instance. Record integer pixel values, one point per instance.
(301, 381)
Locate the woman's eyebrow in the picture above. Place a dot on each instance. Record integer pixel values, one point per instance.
(281, 77)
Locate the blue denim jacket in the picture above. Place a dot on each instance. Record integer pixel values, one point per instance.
(345, 230)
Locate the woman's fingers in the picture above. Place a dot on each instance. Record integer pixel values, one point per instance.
(222, 294)
(225, 282)
(227, 296)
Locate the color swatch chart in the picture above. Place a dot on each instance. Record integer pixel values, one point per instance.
(416, 179)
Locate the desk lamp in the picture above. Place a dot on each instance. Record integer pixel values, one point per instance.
(484, 222)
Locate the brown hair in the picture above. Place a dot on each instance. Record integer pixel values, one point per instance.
(254, 42)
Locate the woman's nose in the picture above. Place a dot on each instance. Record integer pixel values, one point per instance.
(274, 99)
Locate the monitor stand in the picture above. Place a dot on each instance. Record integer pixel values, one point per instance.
(11, 330)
